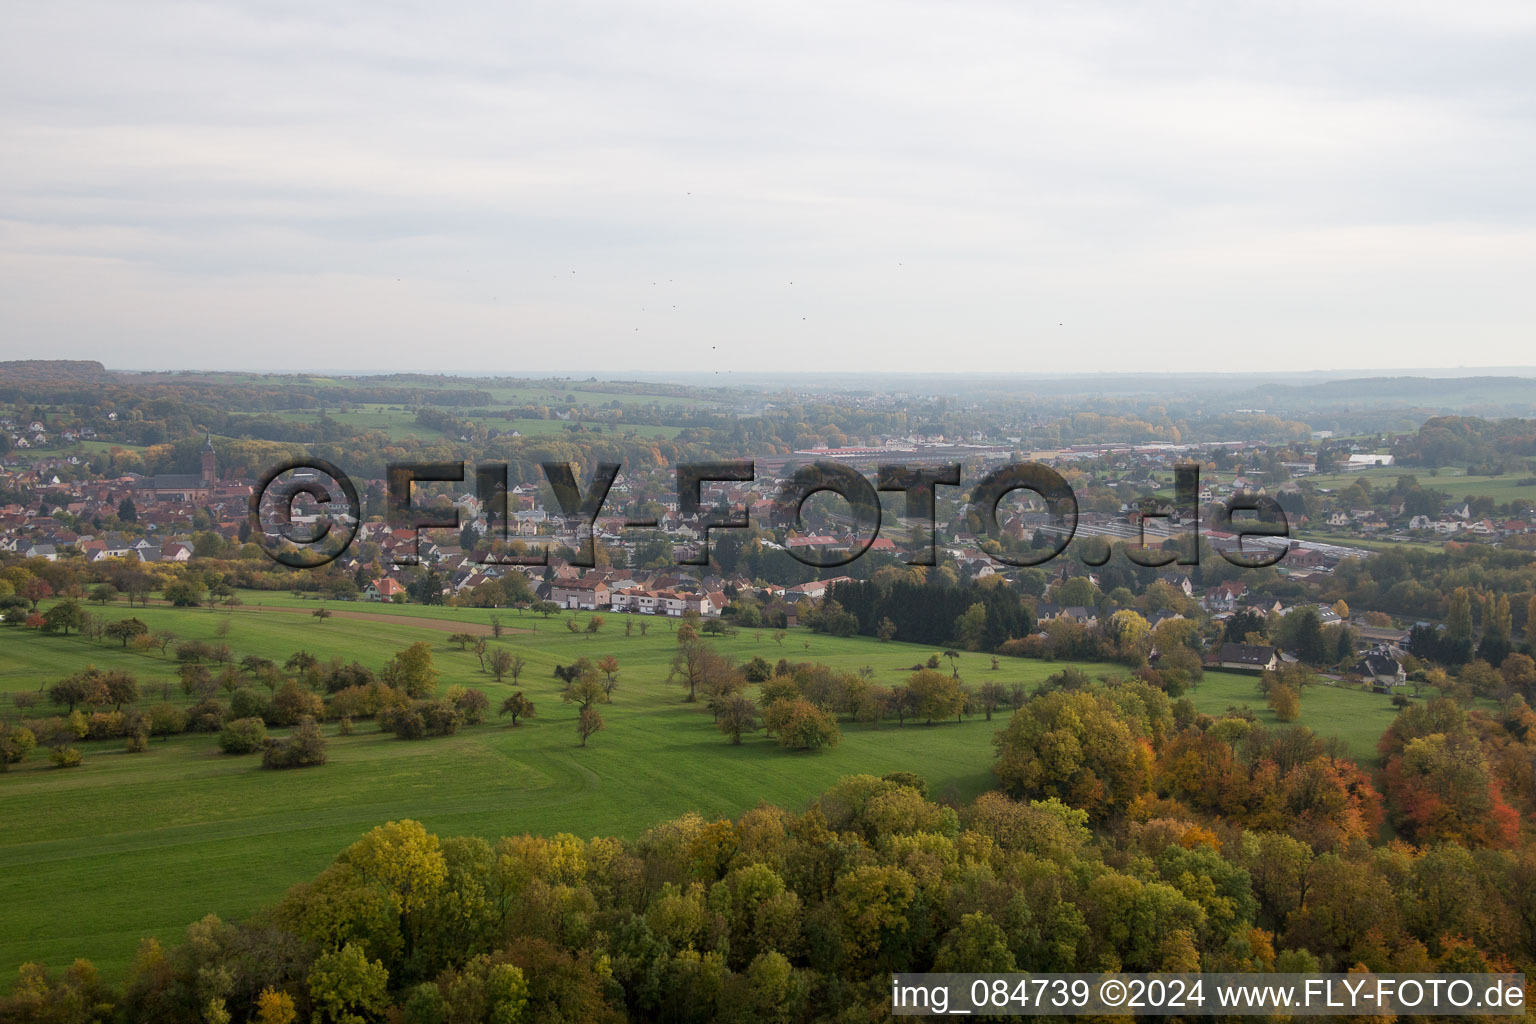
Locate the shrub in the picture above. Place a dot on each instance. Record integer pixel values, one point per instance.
(207, 715)
(65, 757)
(166, 720)
(104, 725)
(243, 736)
(138, 742)
(1022, 647)
(290, 704)
(342, 677)
(404, 720)
(16, 742)
(247, 703)
(473, 705)
(305, 746)
(421, 718)
(362, 701)
(801, 725)
(757, 670)
(911, 780)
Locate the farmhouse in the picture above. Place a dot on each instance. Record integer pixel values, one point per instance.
(1246, 657)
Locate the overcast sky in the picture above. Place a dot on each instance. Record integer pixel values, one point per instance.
(520, 187)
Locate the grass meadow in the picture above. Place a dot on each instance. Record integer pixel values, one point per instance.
(129, 845)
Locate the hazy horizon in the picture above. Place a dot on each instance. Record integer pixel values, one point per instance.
(871, 187)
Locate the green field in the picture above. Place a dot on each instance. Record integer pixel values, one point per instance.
(1373, 544)
(142, 844)
(1455, 482)
(396, 423)
(401, 424)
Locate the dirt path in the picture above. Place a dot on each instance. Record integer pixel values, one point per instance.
(442, 625)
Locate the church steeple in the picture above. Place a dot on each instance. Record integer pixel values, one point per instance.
(209, 464)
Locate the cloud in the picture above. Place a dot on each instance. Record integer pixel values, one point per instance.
(604, 187)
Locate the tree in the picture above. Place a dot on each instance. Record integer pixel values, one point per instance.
(34, 590)
(934, 695)
(322, 613)
(886, 630)
(127, 512)
(411, 670)
(1131, 633)
(16, 743)
(1458, 627)
(80, 688)
(1074, 746)
(992, 696)
(1285, 702)
(975, 945)
(1305, 635)
(345, 987)
(471, 703)
(126, 629)
(1243, 624)
(184, 593)
(305, 746)
(609, 667)
(517, 706)
(63, 616)
(1496, 643)
(104, 594)
(800, 725)
(737, 715)
(243, 736)
(1440, 789)
(588, 722)
(1519, 672)
(693, 662)
(594, 624)
(501, 662)
(274, 1006)
(290, 705)
(119, 688)
(585, 690)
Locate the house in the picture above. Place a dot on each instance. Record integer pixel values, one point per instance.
(1080, 614)
(816, 589)
(383, 590)
(650, 602)
(175, 551)
(584, 594)
(1246, 657)
(1178, 581)
(1381, 669)
(1223, 596)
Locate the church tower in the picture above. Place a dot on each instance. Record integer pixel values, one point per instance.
(209, 471)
